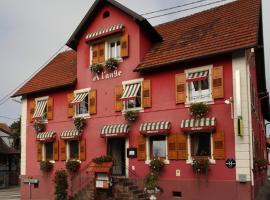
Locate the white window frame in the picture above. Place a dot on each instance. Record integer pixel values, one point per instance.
(84, 115)
(148, 146)
(43, 120)
(129, 82)
(199, 69)
(68, 149)
(44, 152)
(211, 158)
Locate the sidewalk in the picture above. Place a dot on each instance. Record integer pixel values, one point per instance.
(264, 193)
(11, 193)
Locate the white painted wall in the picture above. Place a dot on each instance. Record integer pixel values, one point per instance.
(23, 136)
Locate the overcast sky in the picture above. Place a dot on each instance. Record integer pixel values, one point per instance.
(31, 31)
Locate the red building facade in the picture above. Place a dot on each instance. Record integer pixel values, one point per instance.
(161, 71)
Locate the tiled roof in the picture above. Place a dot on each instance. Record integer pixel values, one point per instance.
(218, 30)
(5, 128)
(60, 72)
(5, 149)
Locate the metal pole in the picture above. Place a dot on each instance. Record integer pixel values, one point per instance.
(30, 196)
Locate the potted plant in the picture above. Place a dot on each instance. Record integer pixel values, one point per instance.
(261, 164)
(79, 123)
(200, 165)
(102, 159)
(111, 64)
(198, 110)
(39, 126)
(61, 184)
(96, 68)
(46, 166)
(131, 116)
(156, 165)
(72, 166)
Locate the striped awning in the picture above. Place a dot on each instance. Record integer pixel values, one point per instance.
(105, 31)
(201, 124)
(197, 76)
(79, 97)
(70, 134)
(46, 136)
(131, 91)
(115, 130)
(40, 108)
(161, 127)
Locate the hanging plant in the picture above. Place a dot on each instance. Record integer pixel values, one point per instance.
(156, 165)
(72, 166)
(198, 110)
(39, 126)
(46, 166)
(131, 116)
(96, 68)
(261, 164)
(111, 64)
(61, 184)
(79, 123)
(102, 159)
(200, 165)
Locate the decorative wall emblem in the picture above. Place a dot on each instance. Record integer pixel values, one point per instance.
(230, 163)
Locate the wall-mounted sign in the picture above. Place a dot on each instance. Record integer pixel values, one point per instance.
(132, 152)
(230, 163)
(107, 75)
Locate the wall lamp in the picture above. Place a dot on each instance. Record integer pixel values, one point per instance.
(229, 101)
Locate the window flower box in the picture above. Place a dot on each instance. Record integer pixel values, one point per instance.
(46, 166)
(72, 166)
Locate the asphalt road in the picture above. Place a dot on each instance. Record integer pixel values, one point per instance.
(11, 193)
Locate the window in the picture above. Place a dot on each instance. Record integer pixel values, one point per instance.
(82, 107)
(114, 49)
(158, 146)
(198, 84)
(73, 149)
(48, 150)
(81, 102)
(200, 144)
(41, 108)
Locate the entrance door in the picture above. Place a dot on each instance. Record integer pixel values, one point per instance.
(116, 149)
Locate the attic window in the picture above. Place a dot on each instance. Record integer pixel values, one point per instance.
(106, 14)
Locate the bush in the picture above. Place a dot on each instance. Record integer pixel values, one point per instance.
(198, 110)
(72, 166)
(96, 68)
(61, 184)
(111, 64)
(156, 165)
(131, 115)
(151, 181)
(102, 159)
(46, 166)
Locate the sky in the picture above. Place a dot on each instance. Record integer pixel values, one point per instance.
(32, 31)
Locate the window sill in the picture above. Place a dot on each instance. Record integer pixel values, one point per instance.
(209, 101)
(85, 116)
(133, 109)
(74, 160)
(211, 161)
(166, 162)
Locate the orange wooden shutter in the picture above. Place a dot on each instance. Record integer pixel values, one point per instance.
(50, 108)
(55, 150)
(39, 151)
(171, 142)
(70, 109)
(217, 82)
(180, 87)
(181, 146)
(95, 53)
(32, 106)
(141, 147)
(63, 150)
(101, 52)
(92, 102)
(124, 45)
(146, 91)
(82, 150)
(219, 147)
(118, 95)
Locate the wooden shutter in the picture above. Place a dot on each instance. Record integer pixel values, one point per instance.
(217, 83)
(124, 45)
(50, 108)
(171, 143)
(219, 150)
(39, 151)
(181, 145)
(32, 106)
(118, 95)
(55, 150)
(101, 52)
(63, 150)
(141, 147)
(70, 109)
(92, 102)
(146, 92)
(95, 53)
(82, 150)
(180, 87)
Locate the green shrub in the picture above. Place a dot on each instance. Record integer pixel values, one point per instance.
(61, 184)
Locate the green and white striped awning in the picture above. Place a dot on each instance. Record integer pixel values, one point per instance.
(40, 108)
(115, 130)
(70, 134)
(197, 76)
(160, 127)
(131, 91)
(46, 136)
(79, 97)
(105, 31)
(201, 124)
